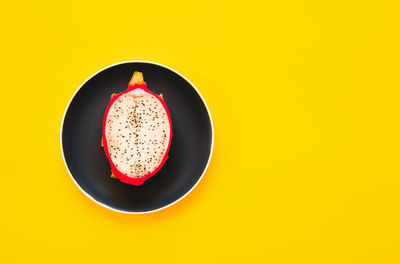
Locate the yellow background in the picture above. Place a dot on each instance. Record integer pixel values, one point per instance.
(305, 101)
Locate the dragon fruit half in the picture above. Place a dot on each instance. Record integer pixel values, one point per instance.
(137, 132)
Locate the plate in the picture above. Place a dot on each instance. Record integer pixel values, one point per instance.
(189, 155)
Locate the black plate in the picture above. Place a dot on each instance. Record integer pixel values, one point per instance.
(189, 154)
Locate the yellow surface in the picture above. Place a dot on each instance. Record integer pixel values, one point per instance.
(305, 101)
